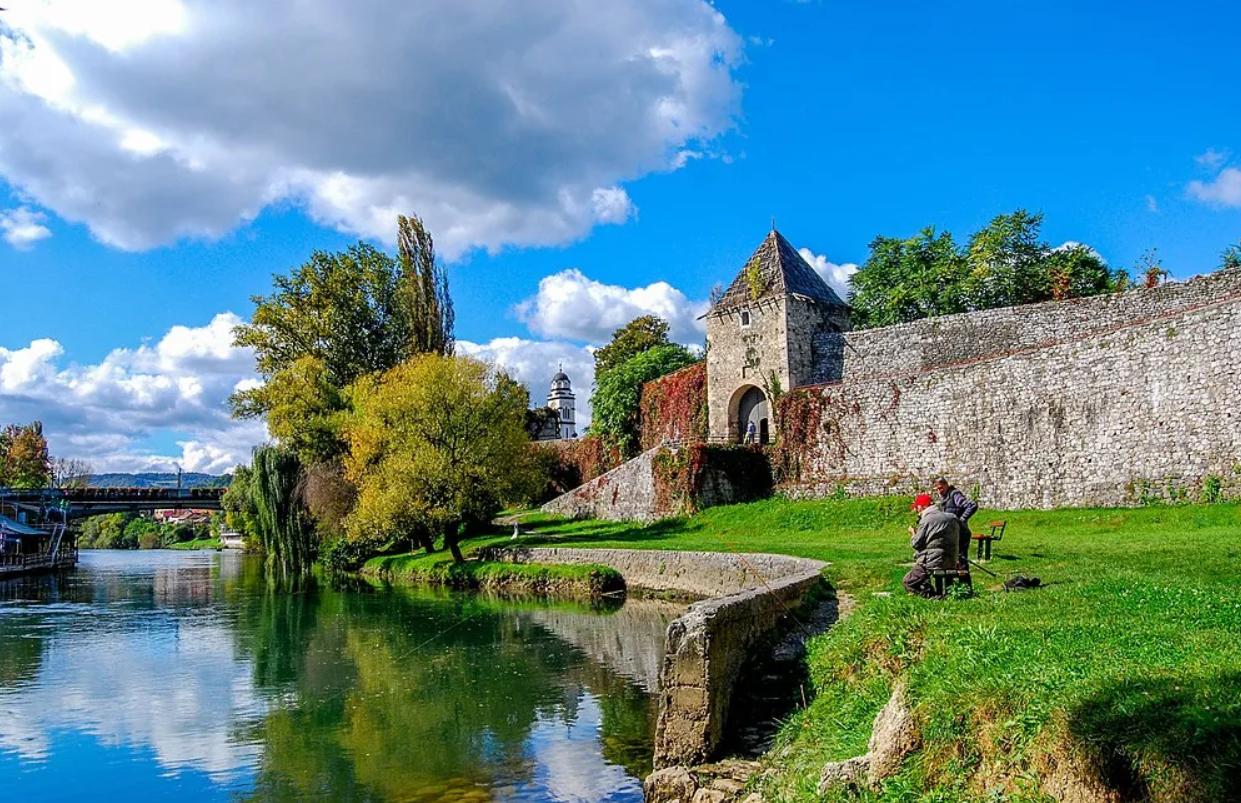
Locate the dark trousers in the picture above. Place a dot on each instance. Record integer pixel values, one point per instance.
(963, 546)
(918, 581)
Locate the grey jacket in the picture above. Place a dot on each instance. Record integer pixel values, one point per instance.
(935, 542)
(959, 505)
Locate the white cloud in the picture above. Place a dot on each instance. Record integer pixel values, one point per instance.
(836, 276)
(570, 305)
(501, 123)
(1212, 160)
(102, 412)
(1152, 205)
(1067, 244)
(1223, 190)
(533, 363)
(23, 227)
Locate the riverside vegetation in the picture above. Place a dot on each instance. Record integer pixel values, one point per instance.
(1127, 663)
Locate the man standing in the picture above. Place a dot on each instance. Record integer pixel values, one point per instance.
(961, 506)
(934, 543)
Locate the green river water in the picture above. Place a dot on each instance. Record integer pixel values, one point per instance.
(178, 676)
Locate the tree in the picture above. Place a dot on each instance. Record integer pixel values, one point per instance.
(1230, 259)
(428, 305)
(617, 399)
(24, 460)
(70, 472)
(635, 337)
(435, 445)
(283, 528)
(905, 280)
(240, 511)
(1005, 264)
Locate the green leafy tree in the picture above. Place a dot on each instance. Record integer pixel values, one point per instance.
(435, 445)
(635, 337)
(616, 402)
(905, 280)
(240, 511)
(425, 283)
(284, 530)
(1004, 264)
(1230, 259)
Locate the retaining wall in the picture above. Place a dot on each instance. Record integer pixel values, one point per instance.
(1101, 401)
(704, 649)
(626, 493)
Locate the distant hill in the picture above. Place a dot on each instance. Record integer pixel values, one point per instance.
(189, 479)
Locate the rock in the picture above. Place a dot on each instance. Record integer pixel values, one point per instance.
(728, 786)
(894, 737)
(753, 797)
(851, 772)
(710, 796)
(669, 785)
(736, 769)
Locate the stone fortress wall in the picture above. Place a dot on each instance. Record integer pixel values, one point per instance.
(1097, 401)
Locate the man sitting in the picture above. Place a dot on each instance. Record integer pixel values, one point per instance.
(934, 543)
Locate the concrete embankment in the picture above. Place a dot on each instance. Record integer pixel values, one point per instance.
(705, 648)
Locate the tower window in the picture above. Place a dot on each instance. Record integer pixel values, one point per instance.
(745, 319)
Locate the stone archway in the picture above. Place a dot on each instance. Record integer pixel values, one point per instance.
(749, 406)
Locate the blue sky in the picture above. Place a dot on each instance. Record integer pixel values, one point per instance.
(579, 163)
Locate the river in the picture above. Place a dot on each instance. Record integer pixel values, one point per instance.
(164, 675)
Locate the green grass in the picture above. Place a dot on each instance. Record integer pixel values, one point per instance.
(1128, 660)
(200, 543)
(441, 569)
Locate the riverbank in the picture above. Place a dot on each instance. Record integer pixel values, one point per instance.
(1120, 679)
(439, 569)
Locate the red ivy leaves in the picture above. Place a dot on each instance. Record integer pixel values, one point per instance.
(674, 407)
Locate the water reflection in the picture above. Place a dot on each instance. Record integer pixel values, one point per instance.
(171, 673)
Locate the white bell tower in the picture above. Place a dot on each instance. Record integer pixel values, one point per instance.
(561, 399)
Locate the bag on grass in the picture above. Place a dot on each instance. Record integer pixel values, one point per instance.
(1020, 583)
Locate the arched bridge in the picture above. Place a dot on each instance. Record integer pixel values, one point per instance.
(81, 502)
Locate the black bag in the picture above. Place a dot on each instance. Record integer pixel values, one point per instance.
(1020, 583)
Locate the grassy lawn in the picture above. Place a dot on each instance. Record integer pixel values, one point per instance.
(200, 543)
(440, 569)
(1127, 663)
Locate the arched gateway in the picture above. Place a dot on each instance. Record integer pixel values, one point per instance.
(750, 406)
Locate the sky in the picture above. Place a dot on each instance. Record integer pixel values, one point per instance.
(579, 162)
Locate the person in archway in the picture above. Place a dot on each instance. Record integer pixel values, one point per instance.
(934, 543)
(961, 506)
(749, 432)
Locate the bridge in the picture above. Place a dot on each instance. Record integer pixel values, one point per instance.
(76, 503)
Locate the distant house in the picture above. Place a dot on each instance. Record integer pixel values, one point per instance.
(173, 517)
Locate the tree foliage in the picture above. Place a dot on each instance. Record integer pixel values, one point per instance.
(616, 402)
(240, 511)
(283, 528)
(1006, 263)
(435, 445)
(70, 472)
(635, 337)
(334, 319)
(24, 459)
(425, 284)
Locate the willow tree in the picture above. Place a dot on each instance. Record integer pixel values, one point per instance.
(284, 530)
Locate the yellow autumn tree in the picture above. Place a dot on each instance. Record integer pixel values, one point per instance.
(436, 445)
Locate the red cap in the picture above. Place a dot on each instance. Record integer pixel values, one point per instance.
(922, 500)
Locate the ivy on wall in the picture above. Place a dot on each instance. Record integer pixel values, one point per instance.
(688, 479)
(571, 463)
(810, 426)
(674, 407)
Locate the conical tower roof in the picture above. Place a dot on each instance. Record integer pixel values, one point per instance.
(776, 269)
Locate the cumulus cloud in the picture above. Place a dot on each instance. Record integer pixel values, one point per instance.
(501, 123)
(533, 363)
(1224, 190)
(1068, 244)
(836, 276)
(23, 227)
(104, 412)
(573, 306)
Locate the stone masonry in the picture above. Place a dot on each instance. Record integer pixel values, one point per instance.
(1100, 401)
